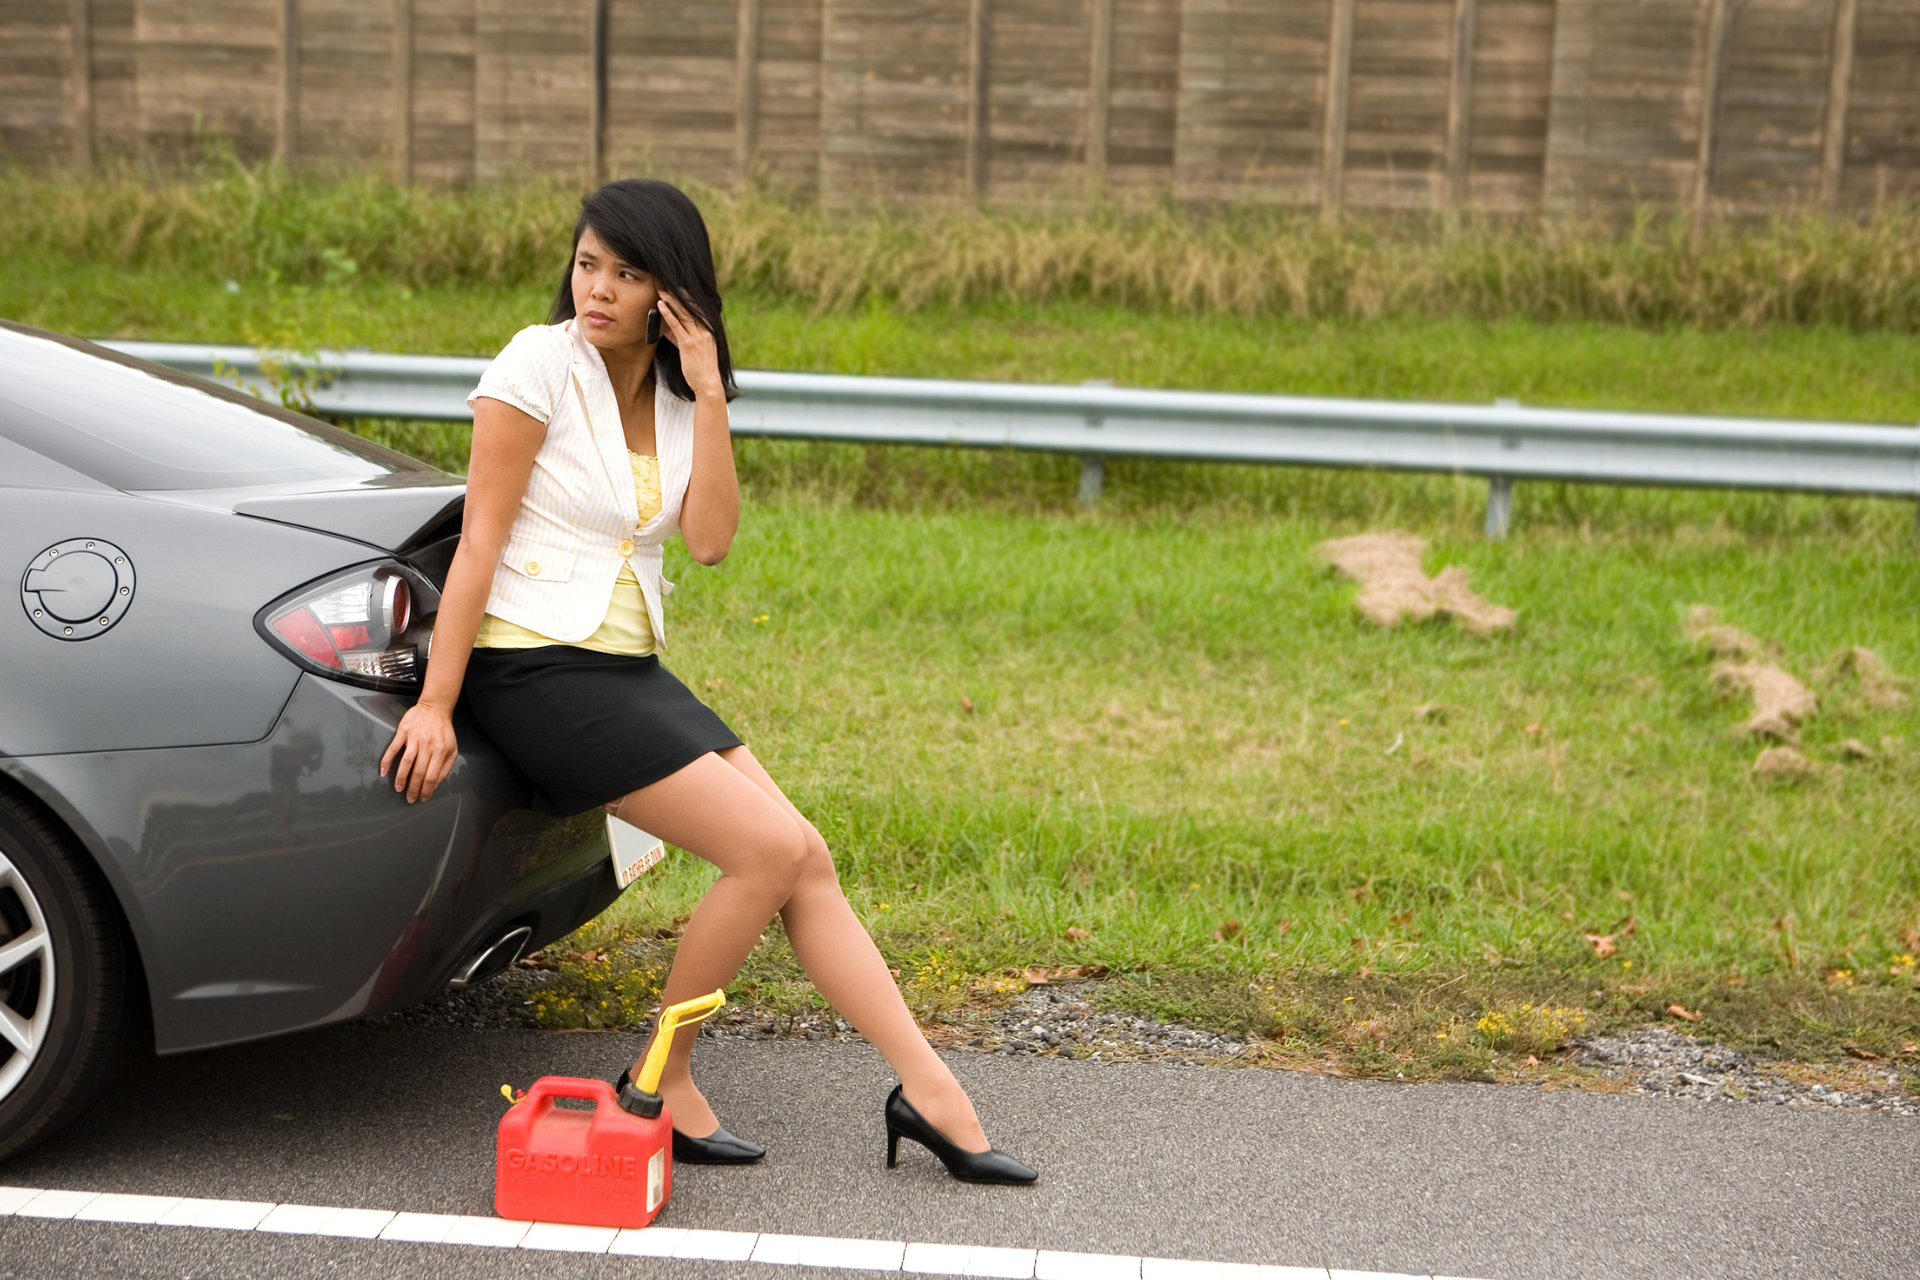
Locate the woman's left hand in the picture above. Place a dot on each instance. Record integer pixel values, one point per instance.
(699, 359)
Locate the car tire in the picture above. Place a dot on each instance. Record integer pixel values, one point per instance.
(60, 928)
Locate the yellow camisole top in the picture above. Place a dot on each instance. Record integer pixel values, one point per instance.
(627, 630)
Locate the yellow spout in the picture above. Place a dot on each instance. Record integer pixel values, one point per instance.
(672, 1018)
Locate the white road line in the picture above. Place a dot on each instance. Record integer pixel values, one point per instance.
(144, 1210)
(1051, 1265)
(649, 1242)
(57, 1204)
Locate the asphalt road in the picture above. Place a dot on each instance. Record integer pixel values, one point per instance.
(1501, 1183)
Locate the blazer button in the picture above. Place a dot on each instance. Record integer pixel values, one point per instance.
(626, 547)
(533, 568)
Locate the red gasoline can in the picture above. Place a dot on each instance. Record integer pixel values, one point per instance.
(600, 1168)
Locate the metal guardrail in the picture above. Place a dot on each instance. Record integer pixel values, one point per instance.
(1502, 442)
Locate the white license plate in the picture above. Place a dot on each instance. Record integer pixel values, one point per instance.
(634, 851)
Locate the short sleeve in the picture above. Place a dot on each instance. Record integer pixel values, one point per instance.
(529, 373)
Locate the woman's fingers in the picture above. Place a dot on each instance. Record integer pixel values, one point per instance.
(386, 757)
(403, 771)
(421, 755)
(679, 320)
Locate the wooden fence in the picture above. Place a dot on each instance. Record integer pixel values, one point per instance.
(1501, 105)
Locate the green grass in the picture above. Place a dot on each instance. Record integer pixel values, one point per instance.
(1180, 723)
(1180, 734)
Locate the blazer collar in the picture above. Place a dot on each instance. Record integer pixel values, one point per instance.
(603, 418)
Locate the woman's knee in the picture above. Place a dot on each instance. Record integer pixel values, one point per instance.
(819, 859)
(784, 857)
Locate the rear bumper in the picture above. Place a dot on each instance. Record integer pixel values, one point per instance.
(283, 884)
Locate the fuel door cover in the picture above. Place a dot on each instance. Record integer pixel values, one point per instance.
(78, 589)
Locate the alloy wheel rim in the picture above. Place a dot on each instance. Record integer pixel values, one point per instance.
(26, 977)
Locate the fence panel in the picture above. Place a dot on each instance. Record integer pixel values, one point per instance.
(672, 87)
(1883, 113)
(1253, 88)
(37, 120)
(534, 89)
(893, 112)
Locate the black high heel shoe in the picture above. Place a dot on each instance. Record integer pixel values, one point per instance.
(991, 1166)
(718, 1147)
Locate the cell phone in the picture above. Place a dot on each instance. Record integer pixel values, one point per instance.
(653, 326)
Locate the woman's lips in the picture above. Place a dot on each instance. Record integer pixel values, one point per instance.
(599, 317)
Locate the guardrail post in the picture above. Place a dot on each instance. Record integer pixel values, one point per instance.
(1093, 472)
(1499, 506)
(1093, 466)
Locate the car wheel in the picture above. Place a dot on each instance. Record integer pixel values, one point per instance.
(71, 996)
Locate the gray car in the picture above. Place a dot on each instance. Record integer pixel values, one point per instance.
(224, 610)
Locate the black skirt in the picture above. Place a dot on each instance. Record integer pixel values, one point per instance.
(589, 727)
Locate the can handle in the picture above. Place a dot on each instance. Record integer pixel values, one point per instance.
(672, 1018)
(598, 1092)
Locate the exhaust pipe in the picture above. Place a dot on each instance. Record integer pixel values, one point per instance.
(496, 956)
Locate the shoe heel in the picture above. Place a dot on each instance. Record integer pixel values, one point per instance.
(893, 1147)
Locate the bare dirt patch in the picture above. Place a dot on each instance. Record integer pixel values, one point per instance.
(1704, 628)
(1395, 587)
(1875, 682)
(1780, 702)
(1784, 762)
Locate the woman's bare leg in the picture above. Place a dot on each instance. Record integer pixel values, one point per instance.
(710, 809)
(842, 962)
(727, 810)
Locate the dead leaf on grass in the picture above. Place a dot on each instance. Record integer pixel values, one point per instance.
(1865, 1055)
(1077, 935)
(1401, 920)
(1681, 1011)
(1854, 749)
(1036, 977)
(1281, 926)
(966, 704)
(1603, 944)
(1228, 931)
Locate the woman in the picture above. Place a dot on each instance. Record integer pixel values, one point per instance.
(591, 447)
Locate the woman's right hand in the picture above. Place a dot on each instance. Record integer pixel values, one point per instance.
(422, 752)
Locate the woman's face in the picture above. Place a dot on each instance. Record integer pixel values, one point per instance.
(610, 298)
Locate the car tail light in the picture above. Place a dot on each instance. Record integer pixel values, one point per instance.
(369, 625)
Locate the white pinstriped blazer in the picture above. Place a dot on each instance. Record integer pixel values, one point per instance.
(577, 522)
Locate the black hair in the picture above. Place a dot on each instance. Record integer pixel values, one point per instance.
(653, 226)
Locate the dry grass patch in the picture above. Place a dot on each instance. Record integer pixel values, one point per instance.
(1780, 702)
(1395, 587)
